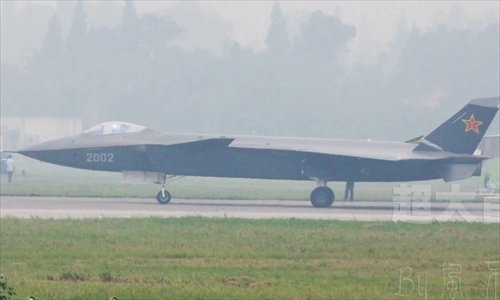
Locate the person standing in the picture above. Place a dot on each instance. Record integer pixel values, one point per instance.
(10, 167)
(349, 191)
(487, 180)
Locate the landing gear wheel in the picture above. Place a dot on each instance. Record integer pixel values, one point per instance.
(163, 197)
(322, 196)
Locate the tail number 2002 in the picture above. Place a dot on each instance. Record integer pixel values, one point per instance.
(100, 157)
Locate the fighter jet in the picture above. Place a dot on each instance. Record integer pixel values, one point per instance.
(446, 153)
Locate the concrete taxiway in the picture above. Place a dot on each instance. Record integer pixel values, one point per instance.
(78, 208)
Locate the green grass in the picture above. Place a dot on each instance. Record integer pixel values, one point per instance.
(42, 179)
(231, 258)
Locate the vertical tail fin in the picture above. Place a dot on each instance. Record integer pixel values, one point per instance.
(463, 132)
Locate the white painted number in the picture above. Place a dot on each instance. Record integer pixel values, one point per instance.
(100, 157)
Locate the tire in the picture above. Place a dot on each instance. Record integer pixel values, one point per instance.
(163, 199)
(322, 196)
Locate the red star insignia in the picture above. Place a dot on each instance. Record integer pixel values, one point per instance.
(472, 124)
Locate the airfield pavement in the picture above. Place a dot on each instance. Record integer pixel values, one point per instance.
(79, 208)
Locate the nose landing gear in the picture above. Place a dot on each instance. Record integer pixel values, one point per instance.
(163, 196)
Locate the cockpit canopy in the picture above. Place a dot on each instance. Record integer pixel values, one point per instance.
(114, 127)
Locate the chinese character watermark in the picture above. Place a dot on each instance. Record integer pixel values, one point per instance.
(452, 285)
(492, 287)
(415, 203)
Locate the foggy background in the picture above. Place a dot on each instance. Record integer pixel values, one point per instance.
(385, 70)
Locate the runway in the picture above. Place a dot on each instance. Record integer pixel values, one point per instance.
(79, 208)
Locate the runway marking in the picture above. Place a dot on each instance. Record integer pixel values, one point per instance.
(78, 208)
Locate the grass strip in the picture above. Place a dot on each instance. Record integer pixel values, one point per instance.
(188, 258)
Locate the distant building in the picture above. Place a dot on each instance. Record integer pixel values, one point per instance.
(490, 146)
(18, 132)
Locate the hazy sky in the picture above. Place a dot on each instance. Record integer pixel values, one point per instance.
(248, 21)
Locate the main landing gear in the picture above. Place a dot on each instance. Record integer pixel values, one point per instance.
(322, 196)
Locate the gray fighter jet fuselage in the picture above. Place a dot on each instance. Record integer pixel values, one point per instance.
(447, 153)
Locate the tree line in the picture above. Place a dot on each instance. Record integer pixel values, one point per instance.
(133, 72)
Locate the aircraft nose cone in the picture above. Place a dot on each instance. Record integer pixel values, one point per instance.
(45, 150)
(36, 151)
(36, 148)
